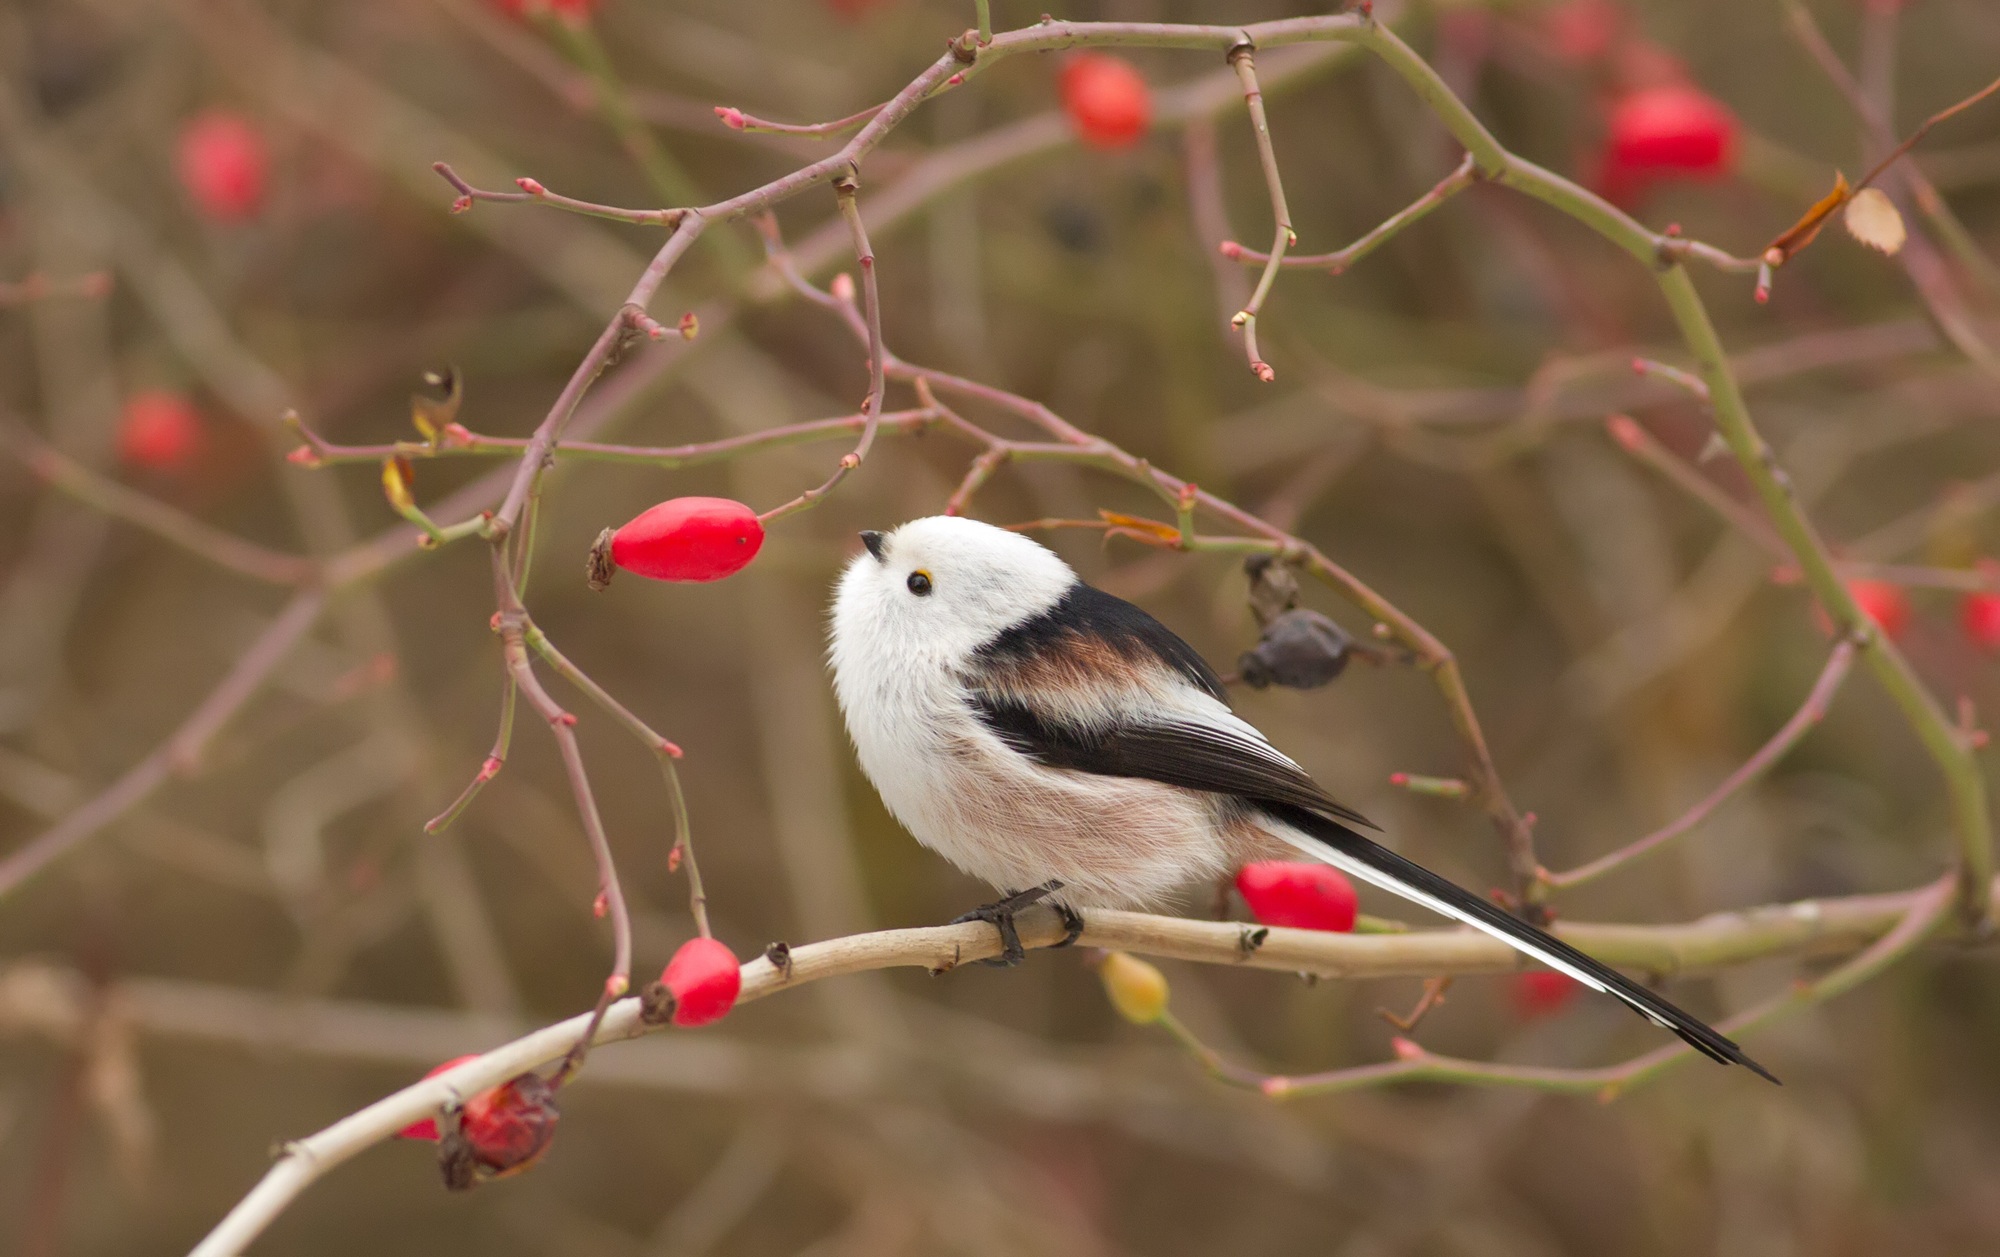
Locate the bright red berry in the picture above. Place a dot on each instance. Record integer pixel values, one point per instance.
(704, 980)
(223, 165)
(508, 1128)
(428, 1128)
(1979, 616)
(159, 431)
(1305, 896)
(1541, 993)
(1107, 101)
(689, 539)
(1884, 603)
(1673, 130)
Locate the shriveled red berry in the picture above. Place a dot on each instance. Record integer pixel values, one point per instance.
(704, 980)
(689, 539)
(508, 1128)
(1541, 993)
(428, 1128)
(1884, 603)
(1107, 101)
(1671, 131)
(159, 431)
(223, 165)
(1979, 616)
(1306, 896)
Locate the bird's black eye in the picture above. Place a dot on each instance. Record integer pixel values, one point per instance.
(920, 584)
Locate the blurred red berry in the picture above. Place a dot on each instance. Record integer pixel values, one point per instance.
(562, 8)
(1541, 993)
(223, 165)
(159, 431)
(428, 1128)
(853, 10)
(1979, 616)
(1107, 101)
(704, 980)
(1884, 603)
(1581, 31)
(1305, 896)
(689, 539)
(1670, 131)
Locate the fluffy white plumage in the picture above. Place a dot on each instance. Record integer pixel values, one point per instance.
(902, 671)
(1032, 730)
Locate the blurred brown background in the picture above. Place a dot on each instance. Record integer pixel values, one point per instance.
(277, 943)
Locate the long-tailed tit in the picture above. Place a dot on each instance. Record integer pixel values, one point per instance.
(1058, 742)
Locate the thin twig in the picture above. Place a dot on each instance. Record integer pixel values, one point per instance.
(1242, 58)
(321, 452)
(532, 190)
(490, 767)
(1339, 260)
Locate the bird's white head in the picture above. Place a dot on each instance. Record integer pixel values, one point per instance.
(939, 588)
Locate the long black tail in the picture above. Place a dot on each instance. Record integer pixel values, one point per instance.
(1374, 863)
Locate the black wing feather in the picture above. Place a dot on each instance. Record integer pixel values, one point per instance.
(1198, 757)
(1219, 761)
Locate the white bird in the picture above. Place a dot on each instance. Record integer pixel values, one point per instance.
(1060, 743)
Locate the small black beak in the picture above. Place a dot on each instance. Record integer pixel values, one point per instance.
(873, 540)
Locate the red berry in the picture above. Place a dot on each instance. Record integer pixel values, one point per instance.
(1107, 101)
(1305, 896)
(1979, 616)
(223, 165)
(508, 1128)
(704, 979)
(689, 539)
(1541, 993)
(1884, 603)
(160, 431)
(853, 10)
(562, 8)
(1581, 31)
(428, 1128)
(1676, 129)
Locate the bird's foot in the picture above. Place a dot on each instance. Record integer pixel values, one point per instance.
(1000, 915)
(1072, 924)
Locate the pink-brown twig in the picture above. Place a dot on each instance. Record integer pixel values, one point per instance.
(1803, 721)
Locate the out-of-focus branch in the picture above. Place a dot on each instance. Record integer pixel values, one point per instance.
(1647, 448)
(1885, 926)
(179, 753)
(223, 549)
(39, 287)
(321, 452)
(1803, 721)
